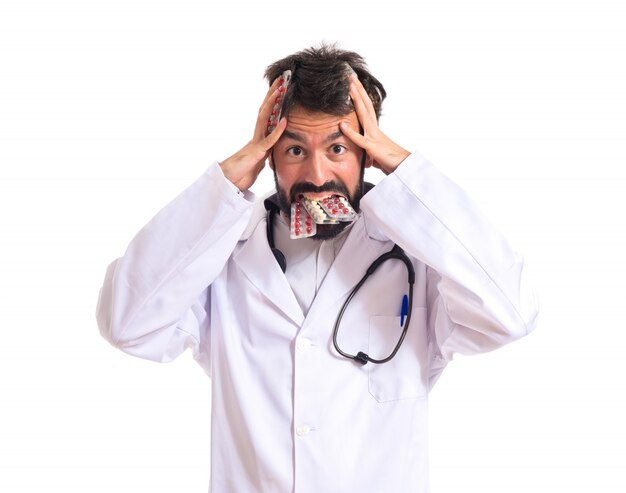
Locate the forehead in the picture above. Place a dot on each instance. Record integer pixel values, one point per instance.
(303, 121)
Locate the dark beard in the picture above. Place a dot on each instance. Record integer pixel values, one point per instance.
(324, 231)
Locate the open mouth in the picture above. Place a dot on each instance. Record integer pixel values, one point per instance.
(318, 196)
(311, 209)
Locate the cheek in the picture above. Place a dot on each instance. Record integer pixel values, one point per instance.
(285, 176)
(352, 176)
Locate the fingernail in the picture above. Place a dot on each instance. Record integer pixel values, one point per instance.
(350, 70)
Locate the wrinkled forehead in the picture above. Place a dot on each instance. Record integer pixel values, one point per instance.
(303, 121)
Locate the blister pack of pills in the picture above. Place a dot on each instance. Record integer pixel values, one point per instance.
(306, 213)
(338, 208)
(278, 104)
(317, 212)
(302, 224)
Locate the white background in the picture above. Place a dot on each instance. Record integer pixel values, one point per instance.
(109, 108)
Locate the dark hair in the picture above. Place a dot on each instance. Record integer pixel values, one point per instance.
(319, 80)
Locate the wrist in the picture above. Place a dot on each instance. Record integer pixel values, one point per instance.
(232, 174)
(394, 161)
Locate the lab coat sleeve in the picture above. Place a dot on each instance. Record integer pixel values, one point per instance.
(155, 299)
(479, 297)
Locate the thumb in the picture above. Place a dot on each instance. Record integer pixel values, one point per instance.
(352, 134)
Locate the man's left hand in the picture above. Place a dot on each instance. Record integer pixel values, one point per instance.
(383, 153)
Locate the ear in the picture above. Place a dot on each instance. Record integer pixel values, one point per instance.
(369, 161)
(270, 160)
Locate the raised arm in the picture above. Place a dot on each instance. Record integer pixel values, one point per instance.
(154, 299)
(479, 295)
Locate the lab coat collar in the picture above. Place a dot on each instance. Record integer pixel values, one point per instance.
(257, 262)
(356, 255)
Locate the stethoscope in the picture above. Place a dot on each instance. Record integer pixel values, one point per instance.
(395, 253)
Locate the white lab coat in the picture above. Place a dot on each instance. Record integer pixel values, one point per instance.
(288, 413)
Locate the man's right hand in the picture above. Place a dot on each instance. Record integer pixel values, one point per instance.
(243, 167)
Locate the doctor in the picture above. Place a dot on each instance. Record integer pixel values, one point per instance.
(290, 413)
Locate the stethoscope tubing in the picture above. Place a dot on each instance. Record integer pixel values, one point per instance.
(395, 253)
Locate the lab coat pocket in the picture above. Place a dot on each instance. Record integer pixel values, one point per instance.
(404, 376)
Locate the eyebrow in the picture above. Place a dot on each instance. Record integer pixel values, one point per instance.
(333, 136)
(299, 138)
(291, 135)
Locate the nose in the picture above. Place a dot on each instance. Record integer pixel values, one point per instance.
(317, 170)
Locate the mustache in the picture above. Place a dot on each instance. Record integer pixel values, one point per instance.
(329, 186)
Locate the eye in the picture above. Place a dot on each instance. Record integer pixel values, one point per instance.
(338, 149)
(295, 151)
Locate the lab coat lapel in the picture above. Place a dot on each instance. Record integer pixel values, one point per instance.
(356, 255)
(257, 262)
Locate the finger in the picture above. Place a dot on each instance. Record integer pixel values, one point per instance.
(271, 139)
(272, 97)
(365, 97)
(361, 108)
(361, 111)
(269, 96)
(264, 114)
(352, 134)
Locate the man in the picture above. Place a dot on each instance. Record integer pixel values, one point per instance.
(301, 398)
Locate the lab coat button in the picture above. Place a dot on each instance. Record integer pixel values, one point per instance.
(302, 430)
(303, 344)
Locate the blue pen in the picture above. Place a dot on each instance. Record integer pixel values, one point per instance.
(405, 309)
